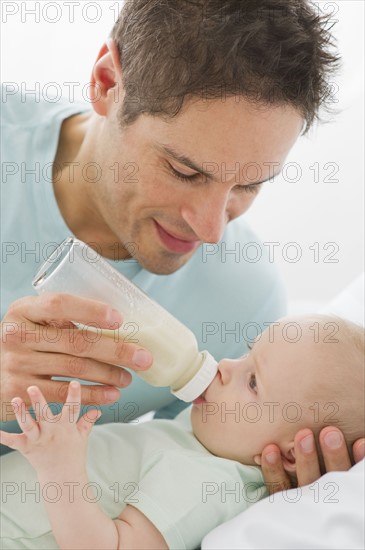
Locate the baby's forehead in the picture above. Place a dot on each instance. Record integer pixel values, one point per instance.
(286, 333)
(310, 330)
(294, 351)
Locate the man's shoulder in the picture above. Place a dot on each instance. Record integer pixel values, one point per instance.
(29, 108)
(19, 108)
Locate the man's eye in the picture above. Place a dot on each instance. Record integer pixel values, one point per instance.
(254, 188)
(252, 383)
(183, 177)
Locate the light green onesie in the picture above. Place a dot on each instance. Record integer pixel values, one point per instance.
(158, 466)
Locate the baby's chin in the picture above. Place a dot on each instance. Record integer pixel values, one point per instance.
(194, 419)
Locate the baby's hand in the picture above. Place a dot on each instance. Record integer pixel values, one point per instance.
(52, 440)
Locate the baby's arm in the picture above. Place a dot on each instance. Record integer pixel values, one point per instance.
(56, 447)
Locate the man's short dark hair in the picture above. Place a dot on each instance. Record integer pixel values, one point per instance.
(268, 51)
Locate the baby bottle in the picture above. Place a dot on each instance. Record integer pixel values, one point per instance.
(77, 269)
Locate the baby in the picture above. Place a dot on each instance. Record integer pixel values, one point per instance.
(166, 483)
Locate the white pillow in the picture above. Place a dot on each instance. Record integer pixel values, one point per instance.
(350, 302)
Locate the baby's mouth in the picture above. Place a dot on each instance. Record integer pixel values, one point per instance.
(199, 400)
(203, 397)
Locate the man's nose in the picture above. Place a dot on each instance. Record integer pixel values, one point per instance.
(207, 215)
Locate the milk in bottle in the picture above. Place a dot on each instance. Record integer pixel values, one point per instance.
(177, 362)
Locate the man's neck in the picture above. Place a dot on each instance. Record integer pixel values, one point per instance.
(74, 202)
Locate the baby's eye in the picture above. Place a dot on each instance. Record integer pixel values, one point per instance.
(252, 383)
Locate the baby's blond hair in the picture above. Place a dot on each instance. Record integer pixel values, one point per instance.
(340, 359)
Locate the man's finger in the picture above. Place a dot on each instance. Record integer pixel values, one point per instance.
(50, 307)
(36, 367)
(306, 458)
(57, 390)
(358, 450)
(95, 345)
(276, 478)
(334, 450)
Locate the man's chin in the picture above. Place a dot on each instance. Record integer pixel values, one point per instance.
(165, 263)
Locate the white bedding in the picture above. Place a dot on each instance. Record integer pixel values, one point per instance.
(327, 514)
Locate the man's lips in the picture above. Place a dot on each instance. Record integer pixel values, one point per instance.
(174, 243)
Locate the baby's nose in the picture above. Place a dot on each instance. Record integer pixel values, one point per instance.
(226, 369)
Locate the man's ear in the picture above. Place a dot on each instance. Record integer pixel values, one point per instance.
(288, 458)
(106, 78)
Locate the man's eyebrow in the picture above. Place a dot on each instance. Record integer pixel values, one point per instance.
(183, 159)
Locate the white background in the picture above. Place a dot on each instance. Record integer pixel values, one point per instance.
(61, 46)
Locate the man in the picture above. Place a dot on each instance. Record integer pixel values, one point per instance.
(193, 108)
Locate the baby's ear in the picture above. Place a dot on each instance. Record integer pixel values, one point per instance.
(288, 458)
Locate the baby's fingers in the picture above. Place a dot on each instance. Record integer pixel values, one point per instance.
(40, 406)
(87, 421)
(14, 441)
(71, 408)
(28, 425)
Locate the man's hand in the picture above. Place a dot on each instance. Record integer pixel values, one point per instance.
(40, 341)
(333, 449)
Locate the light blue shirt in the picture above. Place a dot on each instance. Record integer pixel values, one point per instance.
(225, 294)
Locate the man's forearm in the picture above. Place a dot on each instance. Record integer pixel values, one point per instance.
(77, 523)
